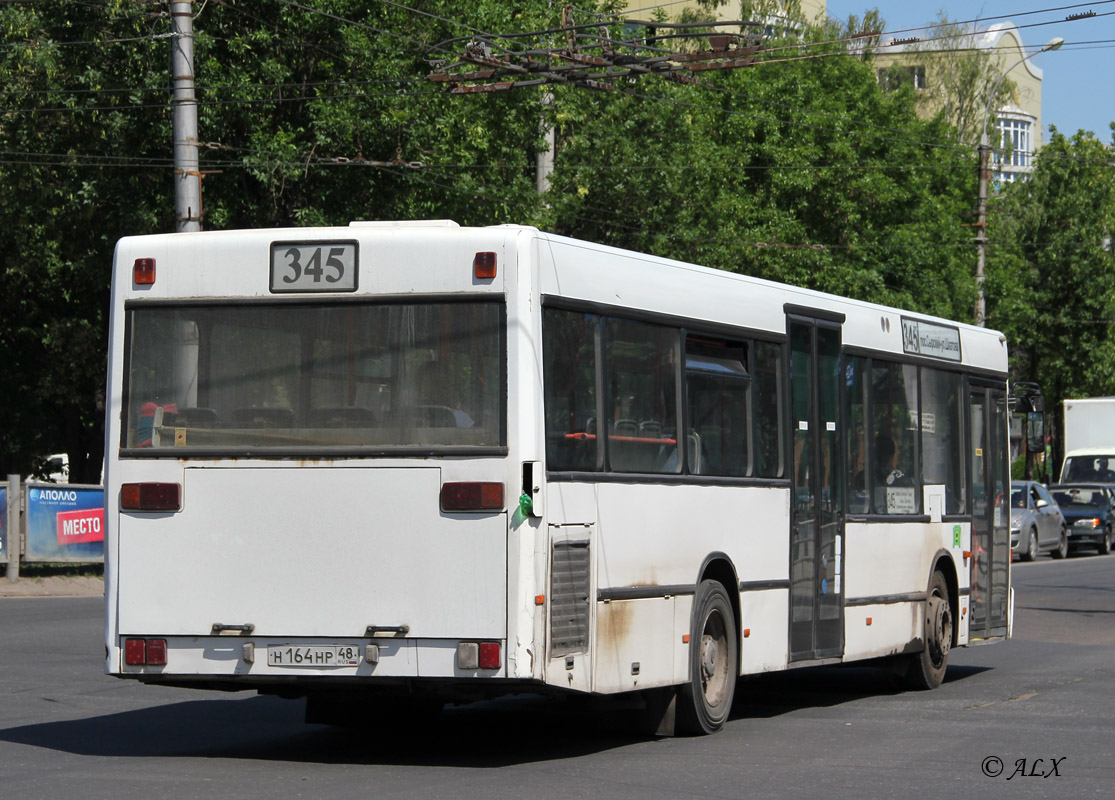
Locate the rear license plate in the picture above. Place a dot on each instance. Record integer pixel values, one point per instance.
(313, 655)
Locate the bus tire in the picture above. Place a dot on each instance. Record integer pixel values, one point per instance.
(706, 700)
(927, 668)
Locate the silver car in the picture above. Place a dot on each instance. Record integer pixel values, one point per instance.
(1036, 522)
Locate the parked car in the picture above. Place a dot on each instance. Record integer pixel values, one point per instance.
(1036, 522)
(1088, 512)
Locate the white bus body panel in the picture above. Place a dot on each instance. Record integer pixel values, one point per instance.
(634, 544)
(313, 552)
(602, 274)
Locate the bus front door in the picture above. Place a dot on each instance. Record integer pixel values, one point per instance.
(817, 519)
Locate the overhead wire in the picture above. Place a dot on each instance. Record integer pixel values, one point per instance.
(314, 98)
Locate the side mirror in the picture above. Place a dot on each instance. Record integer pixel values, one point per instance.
(1039, 503)
(1035, 432)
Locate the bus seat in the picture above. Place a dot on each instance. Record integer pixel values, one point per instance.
(193, 417)
(342, 417)
(625, 427)
(650, 429)
(263, 418)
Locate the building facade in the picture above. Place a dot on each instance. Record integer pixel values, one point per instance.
(812, 10)
(1018, 121)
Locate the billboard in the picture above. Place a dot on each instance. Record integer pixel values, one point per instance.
(65, 522)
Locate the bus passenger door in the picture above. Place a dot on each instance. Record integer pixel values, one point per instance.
(817, 518)
(990, 561)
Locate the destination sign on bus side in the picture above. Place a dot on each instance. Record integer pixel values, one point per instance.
(929, 339)
(314, 266)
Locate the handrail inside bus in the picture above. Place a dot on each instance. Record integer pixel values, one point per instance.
(584, 437)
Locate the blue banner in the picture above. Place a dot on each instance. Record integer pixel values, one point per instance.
(65, 523)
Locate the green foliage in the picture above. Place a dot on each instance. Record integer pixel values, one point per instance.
(801, 172)
(62, 208)
(319, 112)
(1052, 288)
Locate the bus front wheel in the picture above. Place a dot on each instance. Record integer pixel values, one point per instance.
(927, 668)
(706, 700)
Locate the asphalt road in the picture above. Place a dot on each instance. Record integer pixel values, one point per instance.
(66, 730)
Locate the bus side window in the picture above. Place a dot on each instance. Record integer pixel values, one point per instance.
(856, 383)
(942, 456)
(895, 421)
(641, 373)
(766, 372)
(717, 385)
(569, 378)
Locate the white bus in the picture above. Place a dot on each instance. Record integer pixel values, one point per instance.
(414, 463)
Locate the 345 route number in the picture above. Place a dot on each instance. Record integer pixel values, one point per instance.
(313, 266)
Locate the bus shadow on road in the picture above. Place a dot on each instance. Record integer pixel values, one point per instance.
(780, 693)
(491, 734)
(483, 735)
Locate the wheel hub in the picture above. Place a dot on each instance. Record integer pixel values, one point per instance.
(710, 651)
(939, 627)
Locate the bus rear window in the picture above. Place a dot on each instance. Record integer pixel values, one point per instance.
(244, 377)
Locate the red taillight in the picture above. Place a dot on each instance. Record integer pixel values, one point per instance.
(145, 652)
(135, 652)
(472, 496)
(150, 497)
(143, 273)
(489, 655)
(484, 266)
(156, 652)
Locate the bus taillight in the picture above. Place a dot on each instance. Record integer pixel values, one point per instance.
(143, 272)
(145, 652)
(472, 496)
(151, 497)
(478, 655)
(484, 266)
(489, 655)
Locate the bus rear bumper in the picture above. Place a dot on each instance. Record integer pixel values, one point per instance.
(256, 660)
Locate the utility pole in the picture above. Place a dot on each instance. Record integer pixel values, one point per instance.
(187, 169)
(985, 174)
(11, 524)
(981, 226)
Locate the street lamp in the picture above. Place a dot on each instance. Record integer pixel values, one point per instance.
(984, 173)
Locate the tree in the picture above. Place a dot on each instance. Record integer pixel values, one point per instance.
(957, 77)
(801, 171)
(320, 112)
(308, 117)
(1051, 284)
(70, 73)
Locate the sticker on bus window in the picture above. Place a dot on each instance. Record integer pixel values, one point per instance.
(901, 500)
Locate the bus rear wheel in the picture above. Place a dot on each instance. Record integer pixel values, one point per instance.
(706, 700)
(927, 668)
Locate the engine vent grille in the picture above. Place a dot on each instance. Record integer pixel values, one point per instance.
(569, 598)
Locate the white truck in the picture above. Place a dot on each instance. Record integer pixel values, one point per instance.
(1089, 440)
